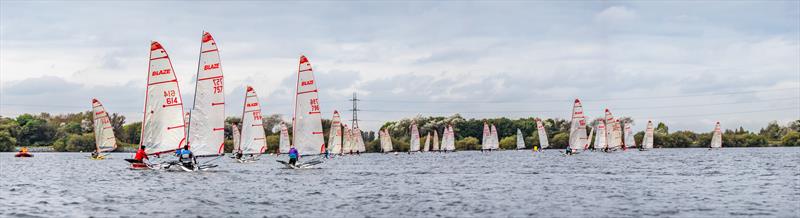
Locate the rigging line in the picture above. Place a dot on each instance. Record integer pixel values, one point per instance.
(583, 99)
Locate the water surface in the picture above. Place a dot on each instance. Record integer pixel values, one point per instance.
(736, 182)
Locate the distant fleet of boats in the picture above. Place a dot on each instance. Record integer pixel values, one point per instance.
(167, 128)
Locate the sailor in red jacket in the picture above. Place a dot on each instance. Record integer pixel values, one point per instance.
(140, 155)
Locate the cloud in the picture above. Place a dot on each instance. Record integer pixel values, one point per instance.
(615, 14)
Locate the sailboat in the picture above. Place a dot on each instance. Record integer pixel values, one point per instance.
(103, 131)
(347, 144)
(335, 134)
(285, 141)
(486, 141)
(520, 140)
(237, 139)
(543, 142)
(207, 121)
(451, 139)
(414, 138)
(253, 142)
(163, 125)
(629, 141)
(359, 141)
(495, 140)
(436, 140)
(307, 128)
(647, 141)
(577, 130)
(386, 141)
(600, 142)
(427, 146)
(716, 137)
(613, 132)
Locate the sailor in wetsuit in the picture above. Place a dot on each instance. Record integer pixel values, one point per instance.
(185, 157)
(293, 156)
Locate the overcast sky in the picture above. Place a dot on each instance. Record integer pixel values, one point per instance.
(684, 63)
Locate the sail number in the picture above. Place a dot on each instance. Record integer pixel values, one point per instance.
(257, 115)
(170, 98)
(217, 85)
(314, 104)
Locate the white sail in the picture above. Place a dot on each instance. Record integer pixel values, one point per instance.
(335, 134)
(589, 139)
(647, 141)
(600, 141)
(520, 140)
(253, 140)
(163, 127)
(307, 128)
(389, 147)
(577, 130)
(427, 146)
(186, 118)
(237, 138)
(613, 131)
(451, 139)
(716, 137)
(207, 129)
(436, 140)
(285, 141)
(543, 142)
(629, 141)
(359, 141)
(347, 144)
(495, 140)
(414, 137)
(103, 131)
(485, 138)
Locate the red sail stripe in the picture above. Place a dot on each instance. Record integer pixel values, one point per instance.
(208, 78)
(250, 111)
(258, 138)
(218, 103)
(309, 69)
(316, 133)
(108, 127)
(170, 105)
(313, 112)
(210, 50)
(152, 59)
(156, 83)
(257, 125)
(218, 129)
(175, 127)
(299, 93)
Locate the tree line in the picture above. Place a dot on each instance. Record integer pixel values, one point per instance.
(74, 132)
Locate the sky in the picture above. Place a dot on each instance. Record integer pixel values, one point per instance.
(685, 63)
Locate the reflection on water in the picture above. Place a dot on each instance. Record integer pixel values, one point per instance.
(661, 182)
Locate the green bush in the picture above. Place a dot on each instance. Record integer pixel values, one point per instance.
(509, 143)
(791, 139)
(83, 142)
(468, 143)
(6, 141)
(560, 140)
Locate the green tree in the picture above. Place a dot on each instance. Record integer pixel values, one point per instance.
(131, 133)
(34, 131)
(791, 139)
(468, 143)
(560, 140)
(509, 142)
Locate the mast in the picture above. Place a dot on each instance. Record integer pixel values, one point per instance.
(103, 131)
(163, 125)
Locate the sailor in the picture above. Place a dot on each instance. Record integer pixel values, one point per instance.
(95, 154)
(239, 155)
(185, 156)
(535, 148)
(293, 156)
(140, 155)
(568, 151)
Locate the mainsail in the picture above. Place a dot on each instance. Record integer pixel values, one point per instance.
(163, 127)
(436, 140)
(285, 141)
(103, 131)
(347, 144)
(520, 140)
(485, 140)
(495, 139)
(335, 134)
(543, 142)
(414, 137)
(451, 139)
(716, 137)
(207, 129)
(253, 140)
(647, 141)
(307, 128)
(600, 136)
(577, 130)
(359, 141)
(613, 131)
(629, 141)
(237, 138)
(427, 146)
(589, 139)
(388, 139)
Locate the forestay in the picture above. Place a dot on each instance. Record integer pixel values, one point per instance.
(577, 130)
(307, 128)
(207, 121)
(716, 138)
(103, 131)
(253, 140)
(163, 126)
(543, 142)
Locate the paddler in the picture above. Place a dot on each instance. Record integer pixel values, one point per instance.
(293, 156)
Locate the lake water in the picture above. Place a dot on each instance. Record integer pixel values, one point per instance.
(731, 182)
